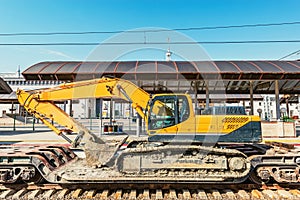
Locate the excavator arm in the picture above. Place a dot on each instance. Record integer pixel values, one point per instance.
(48, 113)
(41, 104)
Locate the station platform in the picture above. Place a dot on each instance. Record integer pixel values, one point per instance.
(293, 140)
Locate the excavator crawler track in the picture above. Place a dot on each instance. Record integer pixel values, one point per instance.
(203, 164)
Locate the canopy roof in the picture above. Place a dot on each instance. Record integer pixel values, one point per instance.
(166, 70)
(4, 87)
(180, 76)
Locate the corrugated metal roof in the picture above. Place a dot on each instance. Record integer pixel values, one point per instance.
(164, 76)
(164, 70)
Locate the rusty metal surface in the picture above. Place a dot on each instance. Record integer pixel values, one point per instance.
(30, 163)
(193, 70)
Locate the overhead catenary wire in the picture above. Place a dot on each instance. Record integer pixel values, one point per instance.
(149, 30)
(149, 43)
(290, 54)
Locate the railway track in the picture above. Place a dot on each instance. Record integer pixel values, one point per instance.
(156, 189)
(155, 192)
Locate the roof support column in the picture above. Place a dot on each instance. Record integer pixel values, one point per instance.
(111, 112)
(139, 119)
(71, 108)
(206, 94)
(100, 104)
(196, 86)
(277, 100)
(251, 98)
(12, 108)
(138, 125)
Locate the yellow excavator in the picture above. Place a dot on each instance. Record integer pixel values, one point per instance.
(181, 147)
(167, 116)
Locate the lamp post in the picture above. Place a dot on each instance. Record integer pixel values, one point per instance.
(282, 111)
(259, 110)
(286, 97)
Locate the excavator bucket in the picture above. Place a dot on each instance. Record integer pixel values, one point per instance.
(98, 153)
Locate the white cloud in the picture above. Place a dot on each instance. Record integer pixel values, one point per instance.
(57, 53)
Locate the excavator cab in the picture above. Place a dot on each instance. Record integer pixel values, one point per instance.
(167, 110)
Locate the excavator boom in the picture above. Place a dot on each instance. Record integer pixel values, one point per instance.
(98, 88)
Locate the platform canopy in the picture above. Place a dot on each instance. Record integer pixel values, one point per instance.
(4, 87)
(6, 93)
(220, 76)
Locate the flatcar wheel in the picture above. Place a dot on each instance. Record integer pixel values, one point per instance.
(37, 178)
(254, 177)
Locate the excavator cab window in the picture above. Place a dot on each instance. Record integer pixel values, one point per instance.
(183, 109)
(166, 111)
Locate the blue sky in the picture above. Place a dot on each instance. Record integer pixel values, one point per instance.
(82, 15)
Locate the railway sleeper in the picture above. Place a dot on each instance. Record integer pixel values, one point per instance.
(146, 193)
